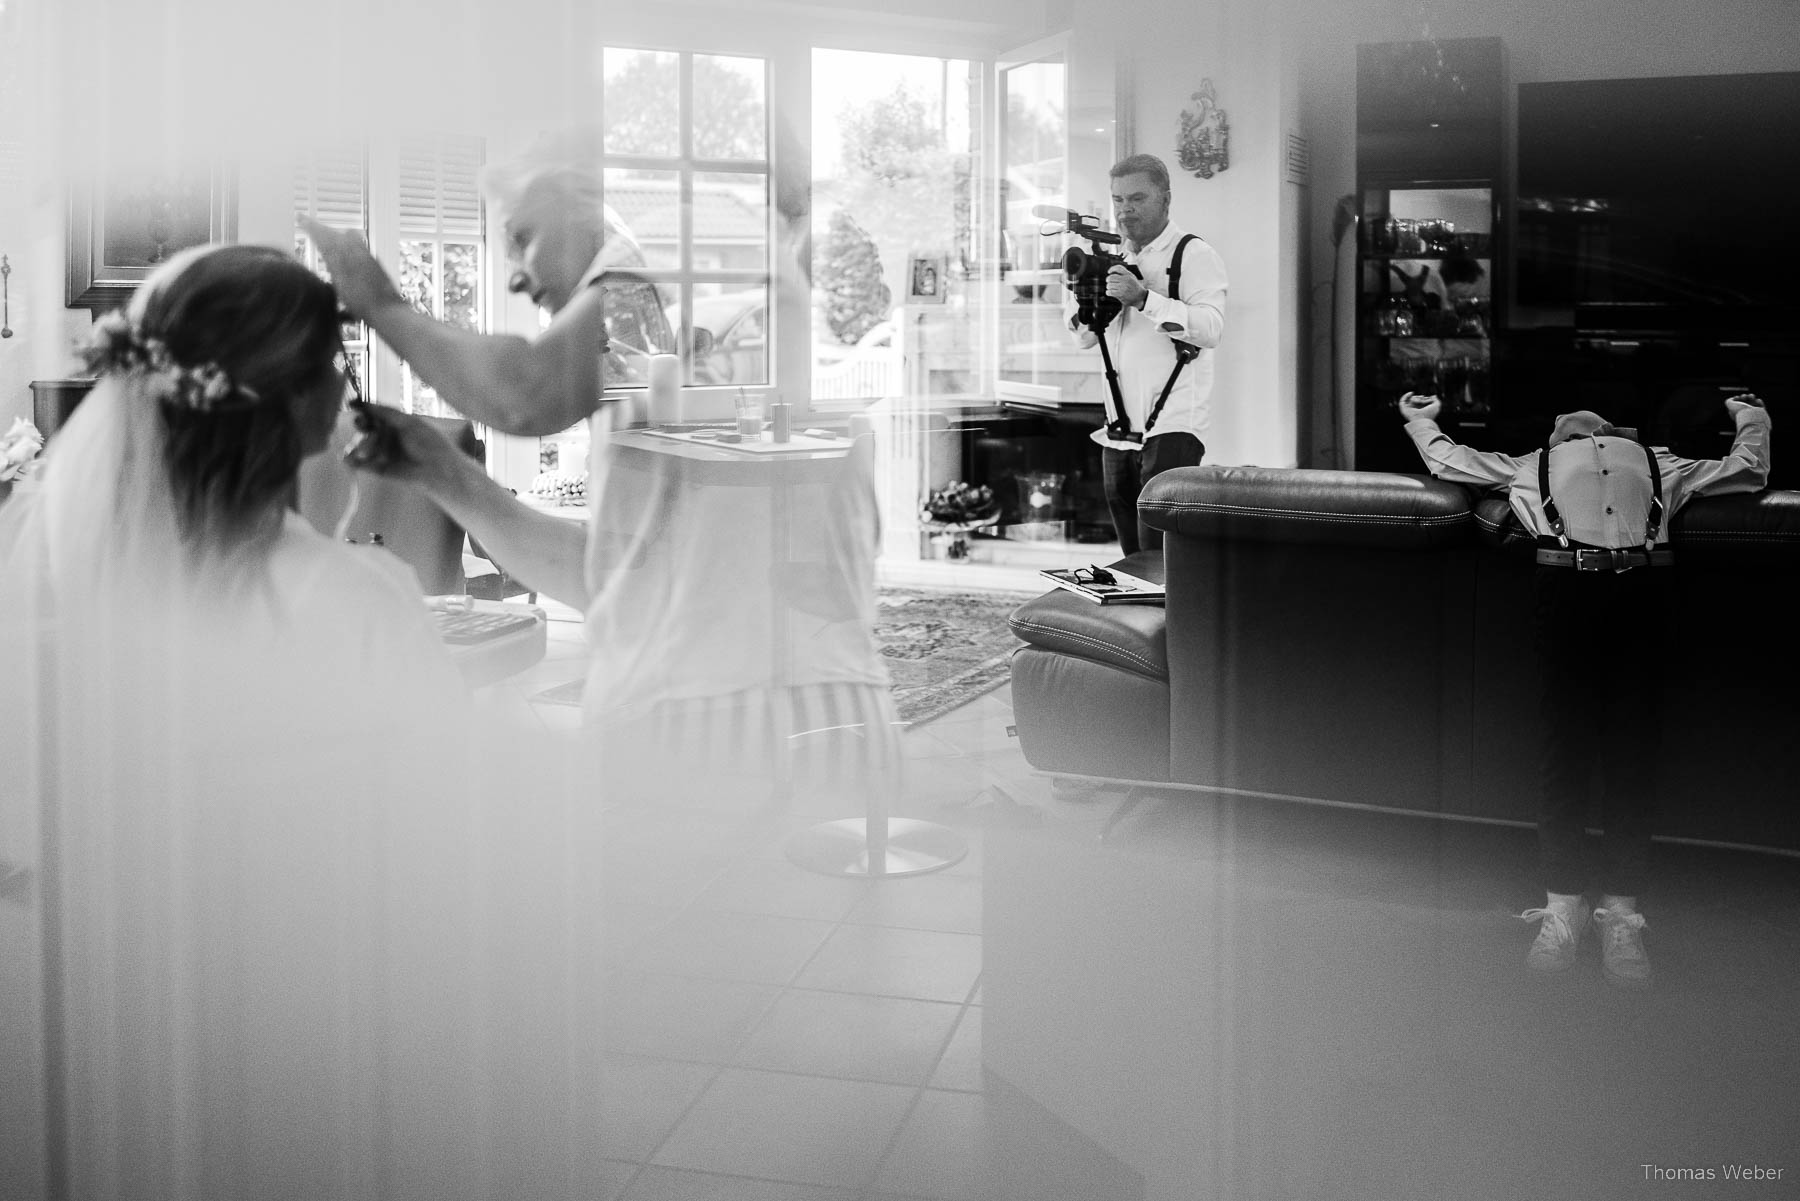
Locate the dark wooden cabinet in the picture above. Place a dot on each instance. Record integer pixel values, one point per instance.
(1430, 238)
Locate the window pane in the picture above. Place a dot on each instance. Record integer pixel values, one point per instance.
(637, 326)
(417, 275)
(1035, 347)
(734, 347)
(641, 100)
(462, 285)
(730, 108)
(417, 396)
(731, 221)
(647, 209)
(892, 183)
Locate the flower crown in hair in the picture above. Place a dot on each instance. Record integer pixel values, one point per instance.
(119, 346)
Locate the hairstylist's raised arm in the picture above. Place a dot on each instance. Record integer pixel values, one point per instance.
(518, 385)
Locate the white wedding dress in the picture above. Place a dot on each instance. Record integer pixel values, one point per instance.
(285, 934)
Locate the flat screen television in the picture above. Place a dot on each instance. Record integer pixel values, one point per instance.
(1678, 195)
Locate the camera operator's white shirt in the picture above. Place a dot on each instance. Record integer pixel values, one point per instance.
(1140, 340)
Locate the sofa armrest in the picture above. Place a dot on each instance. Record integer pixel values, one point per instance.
(1756, 529)
(1268, 504)
(1128, 637)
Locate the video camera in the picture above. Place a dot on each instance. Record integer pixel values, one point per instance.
(1085, 271)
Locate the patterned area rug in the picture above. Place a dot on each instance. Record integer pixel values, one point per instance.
(943, 649)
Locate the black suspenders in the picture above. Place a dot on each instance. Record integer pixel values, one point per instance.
(1185, 353)
(1555, 518)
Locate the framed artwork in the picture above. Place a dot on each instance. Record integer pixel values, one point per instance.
(124, 224)
(925, 281)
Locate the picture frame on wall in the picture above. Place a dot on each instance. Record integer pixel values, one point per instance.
(125, 223)
(925, 281)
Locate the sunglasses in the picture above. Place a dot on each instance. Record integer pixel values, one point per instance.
(1093, 575)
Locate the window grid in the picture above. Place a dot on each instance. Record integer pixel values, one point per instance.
(685, 165)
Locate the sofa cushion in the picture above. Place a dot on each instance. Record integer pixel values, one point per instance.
(1129, 637)
(1272, 504)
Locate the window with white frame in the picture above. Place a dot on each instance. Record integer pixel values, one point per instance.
(686, 161)
(433, 237)
(895, 267)
(439, 244)
(331, 185)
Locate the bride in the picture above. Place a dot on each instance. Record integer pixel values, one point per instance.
(269, 934)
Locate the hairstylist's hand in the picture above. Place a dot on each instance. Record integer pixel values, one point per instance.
(362, 283)
(404, 447)
(1414, 407)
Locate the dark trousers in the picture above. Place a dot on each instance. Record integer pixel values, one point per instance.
(1600, 641)
(1127, 471)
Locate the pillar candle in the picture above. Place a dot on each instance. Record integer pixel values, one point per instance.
(665, 389)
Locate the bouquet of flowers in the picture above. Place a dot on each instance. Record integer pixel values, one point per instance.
(959, 504)
(19, 448)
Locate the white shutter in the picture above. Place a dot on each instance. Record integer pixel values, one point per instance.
(438, 193)
(333, 186)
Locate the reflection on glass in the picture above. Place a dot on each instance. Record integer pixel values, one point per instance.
(641, 102)
(730, 108)
(731, 221)
(646, 206)
(730, 339)
(637, 326)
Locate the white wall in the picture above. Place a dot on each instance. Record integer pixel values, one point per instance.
(1248, 214)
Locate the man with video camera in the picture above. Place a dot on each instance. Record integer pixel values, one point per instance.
(1157, 311)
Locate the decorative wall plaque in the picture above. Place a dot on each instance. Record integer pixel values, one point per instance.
(1202, 147)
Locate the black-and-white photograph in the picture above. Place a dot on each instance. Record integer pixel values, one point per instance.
(802, 600)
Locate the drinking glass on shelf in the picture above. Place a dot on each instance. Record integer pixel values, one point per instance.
(1478, 389)
(1407, 238)
(1453, 382)
(1382, 233)
(749, 415)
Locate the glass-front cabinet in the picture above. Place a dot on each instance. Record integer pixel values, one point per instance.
(1425, 311)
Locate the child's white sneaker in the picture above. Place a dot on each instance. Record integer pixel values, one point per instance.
(1561, 924)
(1622, 955)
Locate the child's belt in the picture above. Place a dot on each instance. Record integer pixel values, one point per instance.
(1600, 558)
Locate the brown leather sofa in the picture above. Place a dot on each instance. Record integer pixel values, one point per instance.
(1366, 638)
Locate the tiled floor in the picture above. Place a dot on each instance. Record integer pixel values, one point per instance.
(777, 1035)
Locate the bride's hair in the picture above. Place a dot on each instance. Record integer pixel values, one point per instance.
(231, 344)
